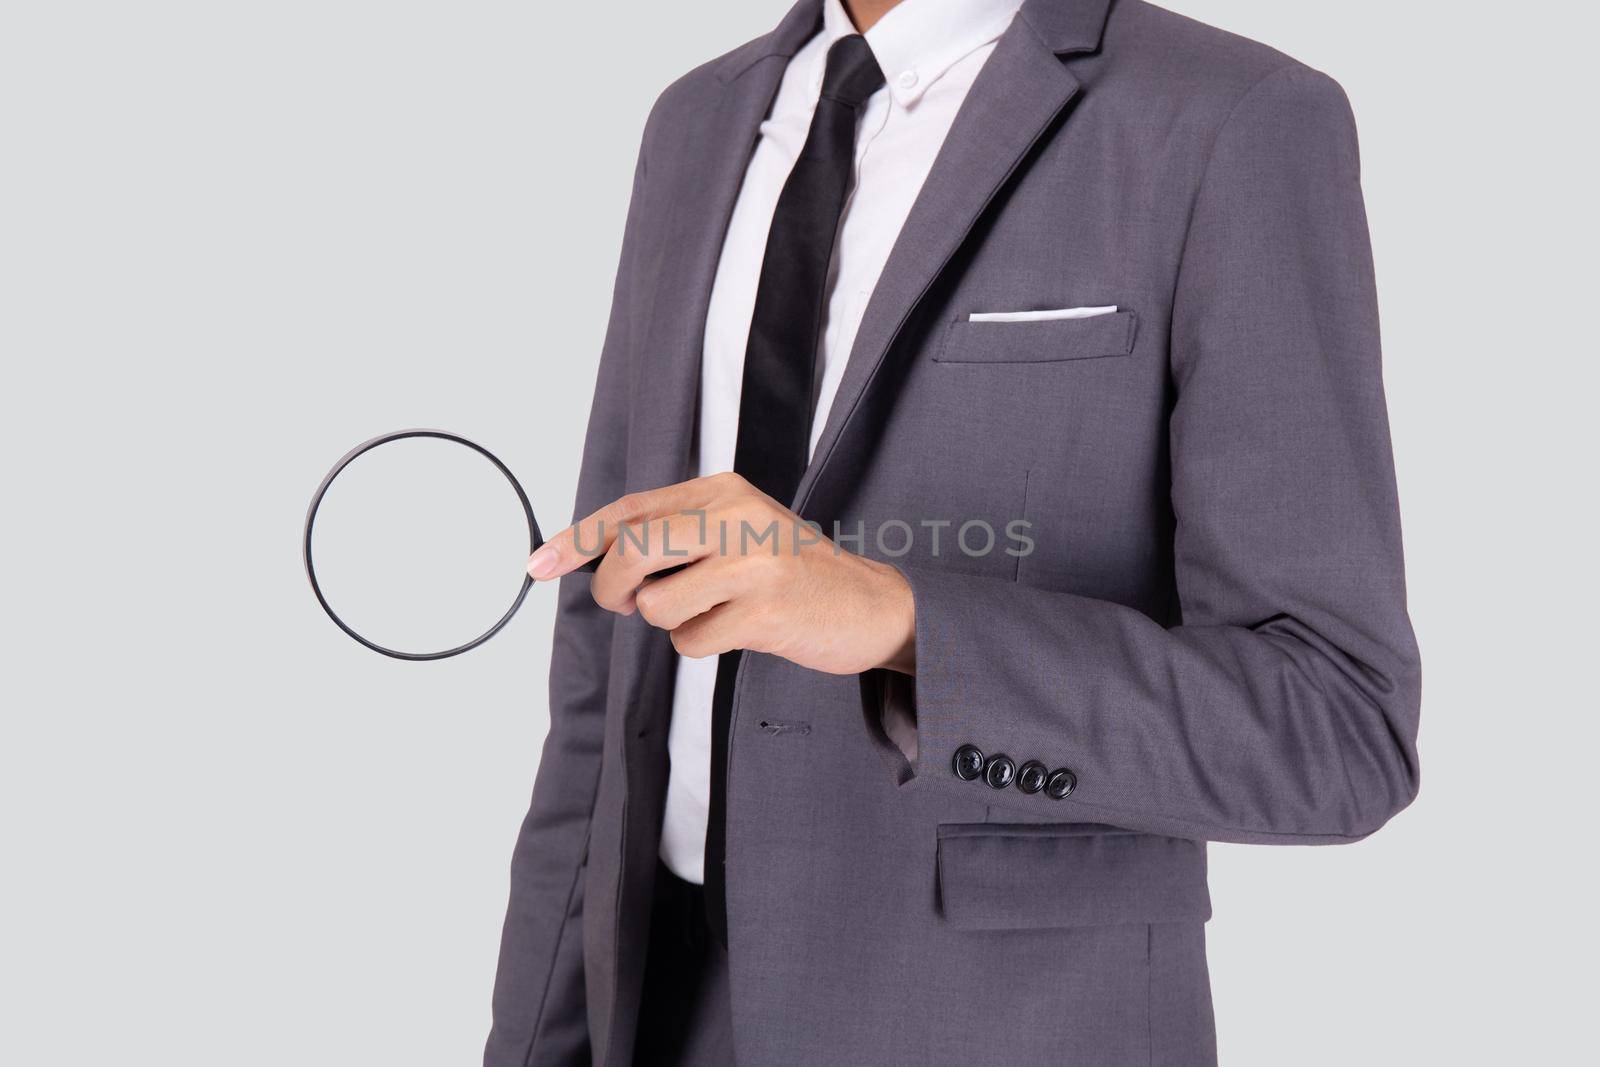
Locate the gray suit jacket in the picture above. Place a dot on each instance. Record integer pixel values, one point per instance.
(1211, 631)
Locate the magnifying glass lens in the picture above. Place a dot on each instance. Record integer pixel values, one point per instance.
(420, 544)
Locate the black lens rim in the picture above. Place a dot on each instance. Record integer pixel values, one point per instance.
(535, 539)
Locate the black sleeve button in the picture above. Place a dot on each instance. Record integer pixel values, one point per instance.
(1031, 776)
(999, 772)
(968, 763)
(1060, 784)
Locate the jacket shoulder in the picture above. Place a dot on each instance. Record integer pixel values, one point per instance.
(1166, 63)
(690, 94)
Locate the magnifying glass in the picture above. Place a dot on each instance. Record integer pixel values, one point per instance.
(420, 543)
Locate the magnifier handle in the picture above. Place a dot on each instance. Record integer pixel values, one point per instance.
(594, 563)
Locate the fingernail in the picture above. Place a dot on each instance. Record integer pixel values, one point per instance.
(542, 564)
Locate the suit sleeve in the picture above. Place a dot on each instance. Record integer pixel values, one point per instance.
(1283, 706)
(539, 1006)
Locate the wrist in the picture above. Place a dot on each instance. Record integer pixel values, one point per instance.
(899, 616)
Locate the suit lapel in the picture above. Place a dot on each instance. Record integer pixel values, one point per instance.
(1019, 93)
(707, 171)
(702, 173)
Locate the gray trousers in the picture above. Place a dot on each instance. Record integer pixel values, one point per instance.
(685, 1017)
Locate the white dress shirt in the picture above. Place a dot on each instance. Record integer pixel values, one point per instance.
(930, 52)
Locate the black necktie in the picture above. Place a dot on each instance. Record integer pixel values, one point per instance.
(780, 363)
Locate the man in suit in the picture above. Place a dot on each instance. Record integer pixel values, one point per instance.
(1036, 344)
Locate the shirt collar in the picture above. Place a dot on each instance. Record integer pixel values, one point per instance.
(918, 40)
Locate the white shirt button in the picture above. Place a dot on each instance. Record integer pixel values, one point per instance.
(907, 79)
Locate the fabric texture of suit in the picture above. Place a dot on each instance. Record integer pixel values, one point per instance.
(1210, 631)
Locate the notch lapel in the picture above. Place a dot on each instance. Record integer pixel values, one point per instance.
(1020, 91)
(705, 173)
(702, 170)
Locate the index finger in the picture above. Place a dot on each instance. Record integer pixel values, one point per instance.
(583, 544)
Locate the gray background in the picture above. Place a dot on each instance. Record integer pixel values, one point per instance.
(236, 238)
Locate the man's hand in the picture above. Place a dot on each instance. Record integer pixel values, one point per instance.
(753, 576)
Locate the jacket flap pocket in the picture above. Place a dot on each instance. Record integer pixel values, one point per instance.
(998, 877)
(1042, 341)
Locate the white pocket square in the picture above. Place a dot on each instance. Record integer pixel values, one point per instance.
(1039, 316)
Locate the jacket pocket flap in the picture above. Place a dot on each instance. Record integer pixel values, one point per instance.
(997, 877)
(1042, 341)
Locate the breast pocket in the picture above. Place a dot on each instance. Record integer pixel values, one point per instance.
(1038, 341)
